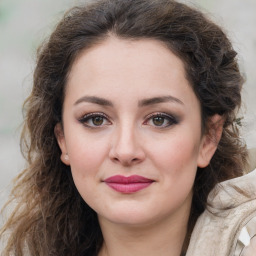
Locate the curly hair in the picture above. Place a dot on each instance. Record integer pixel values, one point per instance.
(50, 217)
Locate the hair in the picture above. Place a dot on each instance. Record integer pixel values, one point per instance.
(50, 217)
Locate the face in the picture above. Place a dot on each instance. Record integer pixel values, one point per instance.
(132, 132)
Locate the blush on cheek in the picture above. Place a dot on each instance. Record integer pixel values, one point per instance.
(178, 163)
(175, 153)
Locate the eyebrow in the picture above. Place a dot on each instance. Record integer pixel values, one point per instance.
(142, 103)
(157, 100)
(95, 100)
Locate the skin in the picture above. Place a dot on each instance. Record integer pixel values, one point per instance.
(127, 136)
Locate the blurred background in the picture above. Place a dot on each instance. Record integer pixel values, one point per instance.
(24, 24)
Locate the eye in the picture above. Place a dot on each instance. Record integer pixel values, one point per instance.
(161, 120)
(94, 120)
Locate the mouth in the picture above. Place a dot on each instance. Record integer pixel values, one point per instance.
(128, 185)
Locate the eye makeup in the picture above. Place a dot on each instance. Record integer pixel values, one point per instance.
(161, 120)
(158, 120)
(95, 120)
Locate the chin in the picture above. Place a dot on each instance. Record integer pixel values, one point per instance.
(133, 217)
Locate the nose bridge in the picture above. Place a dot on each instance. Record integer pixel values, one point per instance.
(126, 144)
(125, 140)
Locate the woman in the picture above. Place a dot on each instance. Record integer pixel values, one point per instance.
(130, 124)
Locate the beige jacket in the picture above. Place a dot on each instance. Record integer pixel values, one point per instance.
(228, 226)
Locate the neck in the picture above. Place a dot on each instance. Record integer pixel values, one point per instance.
(163, 237)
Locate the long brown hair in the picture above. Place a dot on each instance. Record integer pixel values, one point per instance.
(50, 217)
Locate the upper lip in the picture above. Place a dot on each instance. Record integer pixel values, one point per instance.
(127, 180)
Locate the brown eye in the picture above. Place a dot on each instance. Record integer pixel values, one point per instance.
(158, 120)
(95, 120)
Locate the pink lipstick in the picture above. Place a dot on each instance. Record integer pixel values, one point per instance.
(128, 185)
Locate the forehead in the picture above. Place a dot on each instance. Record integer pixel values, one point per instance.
(137, 57)
(136, 67)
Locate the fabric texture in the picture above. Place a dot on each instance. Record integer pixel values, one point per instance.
(230, 214)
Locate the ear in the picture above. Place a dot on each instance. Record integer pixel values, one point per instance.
(210, 140)
(59, 134)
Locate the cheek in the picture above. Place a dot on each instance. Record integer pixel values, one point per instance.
(176, 159)
(177, 165)
(177, 152)
(86, 155)
(86, 159)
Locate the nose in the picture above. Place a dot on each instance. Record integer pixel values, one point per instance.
(126, 147)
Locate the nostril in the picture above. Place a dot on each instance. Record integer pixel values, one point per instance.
(126, 152)
(126, 161)
(116, 159)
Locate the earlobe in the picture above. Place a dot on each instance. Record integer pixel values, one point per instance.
(210, 140)
(65, 158)
(59, 134)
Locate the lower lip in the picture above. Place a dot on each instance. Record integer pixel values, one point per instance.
(130, 187)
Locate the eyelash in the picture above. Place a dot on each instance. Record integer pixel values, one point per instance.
(89, 117)
(87, 120)
(171, 120)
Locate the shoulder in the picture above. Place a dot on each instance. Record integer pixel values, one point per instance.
(228, 225)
